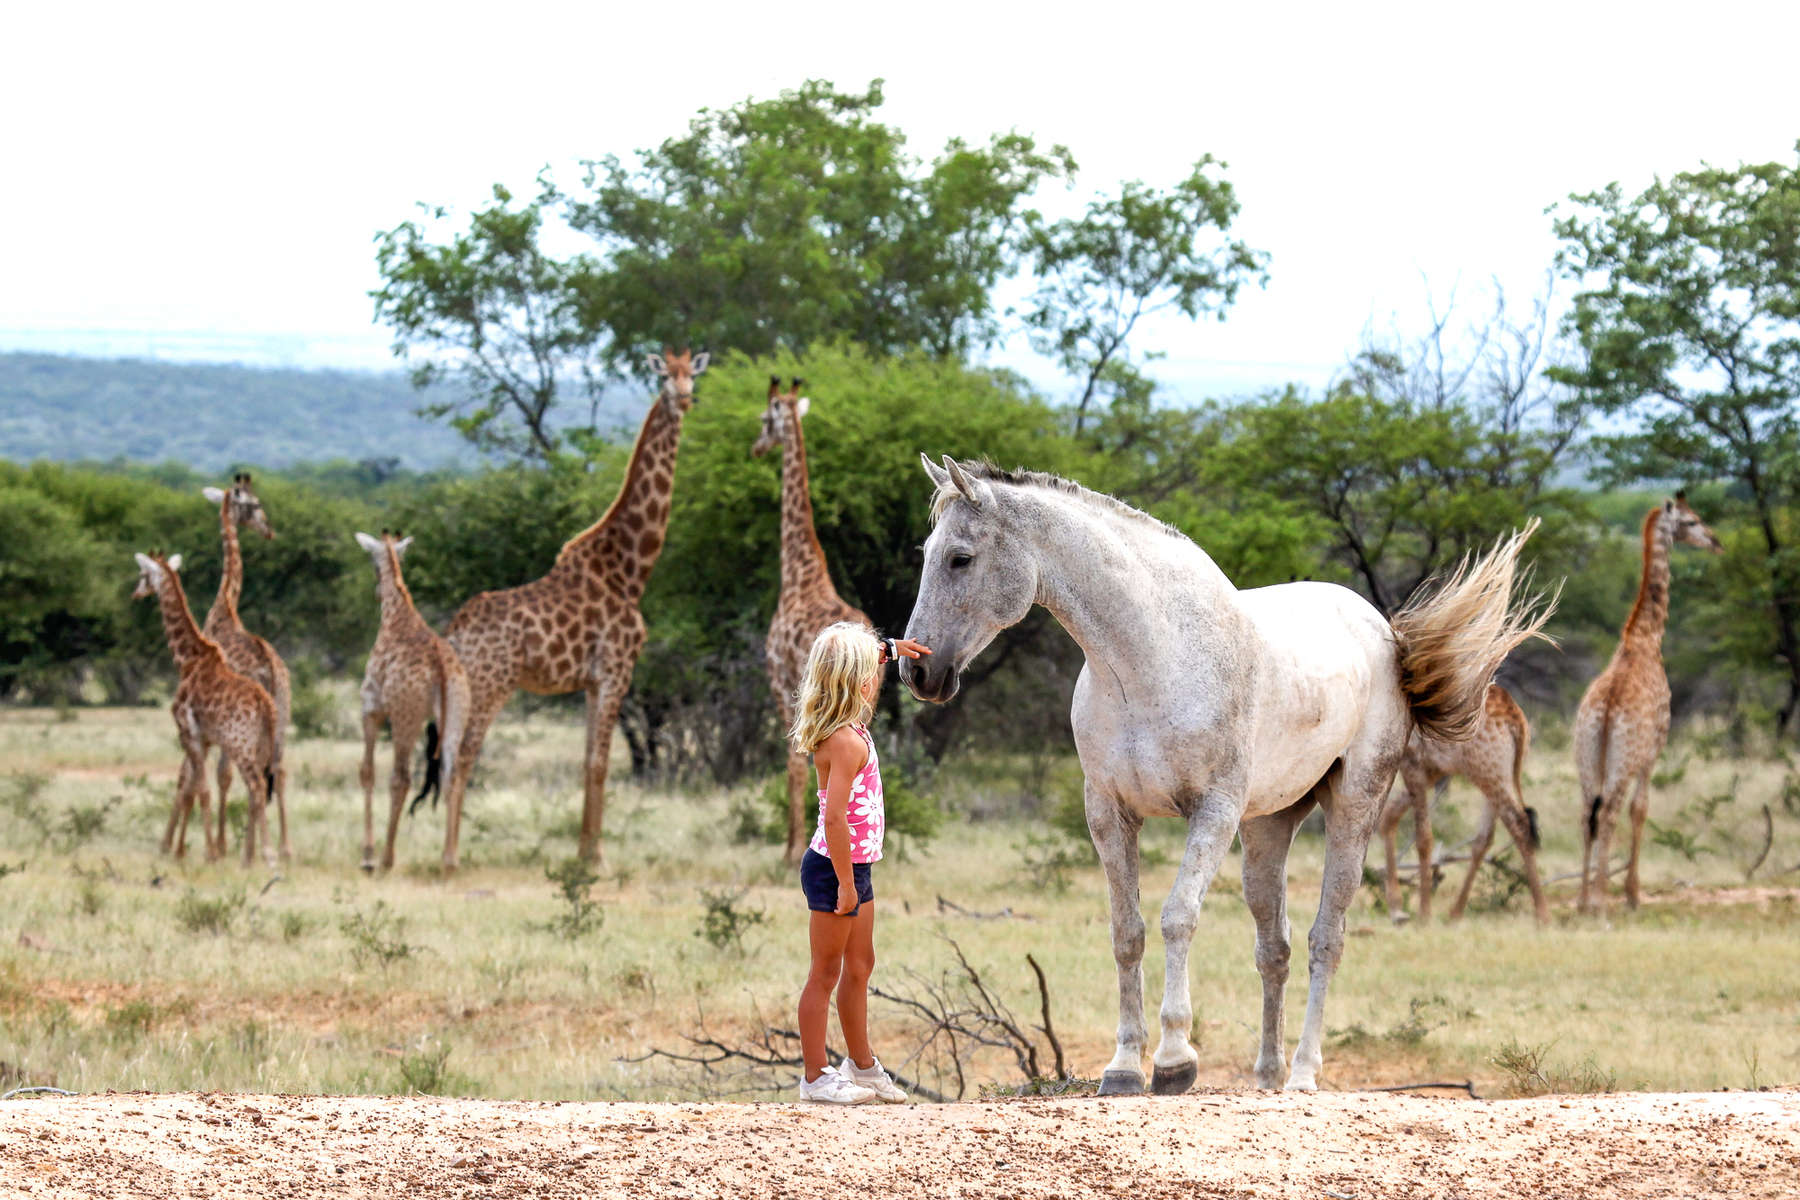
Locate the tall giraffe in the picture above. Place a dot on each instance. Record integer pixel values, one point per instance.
(578, 627)
(247, 653)
(413, 678)
(1491, 760)
(808, 602)
(1623, 720)
(214, 706)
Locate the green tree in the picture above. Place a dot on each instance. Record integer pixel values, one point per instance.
(1127, 257)
(491, 309)
(1689, 322)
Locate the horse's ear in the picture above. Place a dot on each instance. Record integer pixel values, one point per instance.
(939, 477)
(975, 491)
(213, 494)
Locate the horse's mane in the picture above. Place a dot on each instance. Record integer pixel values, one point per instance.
(983, 469)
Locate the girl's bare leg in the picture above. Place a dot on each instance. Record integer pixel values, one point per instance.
(829, 933)
(853, 986)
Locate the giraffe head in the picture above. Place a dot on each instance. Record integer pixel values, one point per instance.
(377, 549)
(1687, 527)
(246, 509)
(678, 372)
(151, 570)
(782, 417)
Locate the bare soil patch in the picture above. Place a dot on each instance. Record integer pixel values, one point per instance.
(1210, 1144)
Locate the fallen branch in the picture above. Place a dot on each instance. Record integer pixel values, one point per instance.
(1062, 1068)
(762, 1052)
(1467, 1085)
(29, 1091)
(1006, 913)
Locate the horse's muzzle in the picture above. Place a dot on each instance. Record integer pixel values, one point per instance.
(929, 681)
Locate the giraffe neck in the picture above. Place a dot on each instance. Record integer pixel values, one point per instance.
(397, 609)
(632, 529)
(802, 558)
(1650, 615)
(186, 642)
(231, 578)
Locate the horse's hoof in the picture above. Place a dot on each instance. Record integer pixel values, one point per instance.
(1122, 1083)
(1172, 1081)
(1297, 1084)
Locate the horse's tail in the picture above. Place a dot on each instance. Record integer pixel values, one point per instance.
(1455, 632)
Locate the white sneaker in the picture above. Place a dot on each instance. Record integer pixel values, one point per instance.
(876, 1079)
(833, 1088)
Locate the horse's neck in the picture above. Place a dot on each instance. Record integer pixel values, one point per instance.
(1113, 581)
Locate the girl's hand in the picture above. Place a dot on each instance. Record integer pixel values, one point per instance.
(846, 903)
(903, 648)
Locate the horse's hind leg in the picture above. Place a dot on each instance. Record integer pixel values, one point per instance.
(1351, 797)
(1266, 841)
(1210, 826)
(1115, 835)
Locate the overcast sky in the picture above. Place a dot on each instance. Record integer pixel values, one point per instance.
(205, 181)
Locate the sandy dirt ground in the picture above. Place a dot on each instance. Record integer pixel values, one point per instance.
(1324, 1147)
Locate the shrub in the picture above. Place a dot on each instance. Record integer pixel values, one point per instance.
(377, 936)
(724, 924)
(574, 879)
(208, 914)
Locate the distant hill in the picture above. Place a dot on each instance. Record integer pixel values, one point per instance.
(211, 416)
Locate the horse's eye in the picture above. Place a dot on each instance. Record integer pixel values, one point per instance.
(959, 561)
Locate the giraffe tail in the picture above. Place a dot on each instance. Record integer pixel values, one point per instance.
(434, 775)
(1521, 745)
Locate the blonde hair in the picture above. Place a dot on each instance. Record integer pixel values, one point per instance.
(843, 659)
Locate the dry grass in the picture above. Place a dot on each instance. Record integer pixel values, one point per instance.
(122, 969)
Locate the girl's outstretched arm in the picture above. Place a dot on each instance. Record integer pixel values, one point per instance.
(839, 758)
(895, 649)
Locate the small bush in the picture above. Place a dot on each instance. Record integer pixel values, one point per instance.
(89, 898)
(377, 936)
(1529, 1072)
(208, 914)
(83, 823)
(21, 796)
(724, 924)
(762, 817)
(574, 879)
(316, 712)
(293, 926)
(423, 1069)
(129, 1021)
(1046, 861)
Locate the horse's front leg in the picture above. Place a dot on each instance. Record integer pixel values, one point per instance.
(1115, 834)
(1210, 826)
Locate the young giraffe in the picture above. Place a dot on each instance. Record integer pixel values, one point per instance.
(578, 627)
(1491, 760)
(214, 706)
(247, 653)
(1623, 720)
(413, 678)
(808, 602)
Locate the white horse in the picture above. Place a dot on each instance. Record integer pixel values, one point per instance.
(1237, 711)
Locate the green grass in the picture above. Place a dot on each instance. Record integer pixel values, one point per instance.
(120, 968)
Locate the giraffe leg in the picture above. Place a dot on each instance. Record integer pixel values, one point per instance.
(1640, 810)
(371, 724)
(224, 776)
(1484, 837)
(405, 733)
(1390, 889)
(797, 839)
(256, 820)
(1421, 810)
(1518, 824)
(283, 711)
(467, 752)
(182, 782)
(603, 700)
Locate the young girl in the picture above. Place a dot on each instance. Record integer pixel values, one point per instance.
(837, 695)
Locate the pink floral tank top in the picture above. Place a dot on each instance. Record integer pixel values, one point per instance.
(868, 819)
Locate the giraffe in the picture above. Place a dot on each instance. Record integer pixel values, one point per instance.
(214, 706)
(578, 628)
(247, 653)
(808, 602)
(413, 681)
(1623, 720)
(1491, 760)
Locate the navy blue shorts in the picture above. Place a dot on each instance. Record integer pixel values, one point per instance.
(818, 879)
